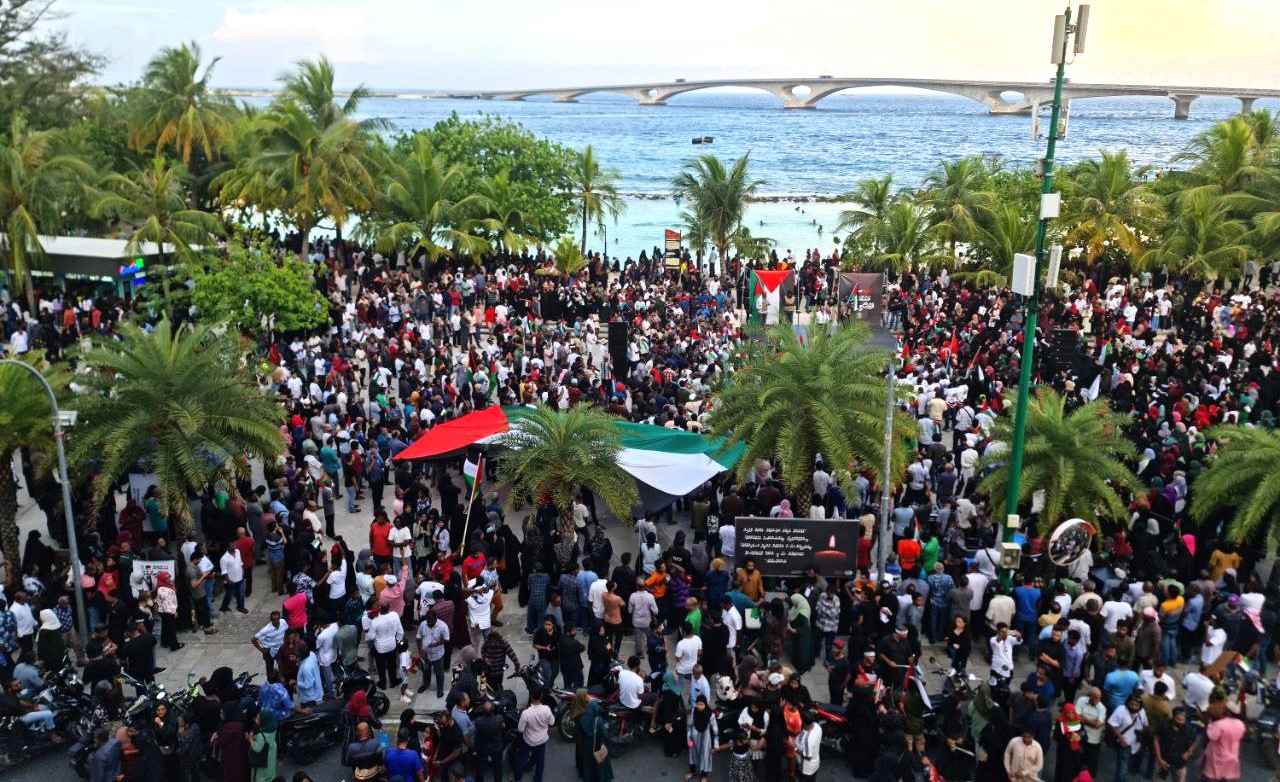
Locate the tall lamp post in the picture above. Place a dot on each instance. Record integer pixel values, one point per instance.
(61, 419)
(1063, 44)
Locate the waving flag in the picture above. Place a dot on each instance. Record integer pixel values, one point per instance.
(766, 293)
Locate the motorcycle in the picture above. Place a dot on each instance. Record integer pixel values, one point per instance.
(605, 692)
(304, 737)
(349, 678)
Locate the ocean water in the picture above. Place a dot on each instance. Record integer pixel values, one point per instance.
(806, 153)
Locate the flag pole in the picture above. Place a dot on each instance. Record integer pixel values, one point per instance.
(475, 489)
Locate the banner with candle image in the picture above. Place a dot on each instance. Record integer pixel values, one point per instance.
(788, 547)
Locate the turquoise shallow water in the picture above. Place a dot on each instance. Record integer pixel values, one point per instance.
(824, 151)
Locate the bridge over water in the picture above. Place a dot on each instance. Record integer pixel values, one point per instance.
(805, 93)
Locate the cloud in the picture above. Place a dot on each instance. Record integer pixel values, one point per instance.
(338, 33)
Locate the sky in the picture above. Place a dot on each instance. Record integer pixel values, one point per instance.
(515, 44)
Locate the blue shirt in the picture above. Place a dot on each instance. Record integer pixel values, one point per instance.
(585, 579)
(1025, 599)
(275, 699)
(1192, 611)
(1118, 686)
(310, 686)
(403, 763)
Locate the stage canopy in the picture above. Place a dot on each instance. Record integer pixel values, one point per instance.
(672, 461)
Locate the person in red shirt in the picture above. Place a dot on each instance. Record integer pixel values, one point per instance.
(908, 555)
(379, 545)
(246, 547)
(472, 566)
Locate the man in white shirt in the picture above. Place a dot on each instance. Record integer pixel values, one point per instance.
(479, 620)
(1199, 688)
(269, 639)
(385, 633)
(535, 728)
(25, 620)
(327, 653)
(731, 618)
(1215, 640)
(1149, 676)
(1003, 644)
(631, 689)
(595, 596)
(401, 540)
(427, 596)
(728, 540)
(688, 652)
(337, 581)
(433, 637)
(233, 578)
(1115, 611)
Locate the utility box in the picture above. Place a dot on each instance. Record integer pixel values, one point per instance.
(1010, 556)
(1024, 274)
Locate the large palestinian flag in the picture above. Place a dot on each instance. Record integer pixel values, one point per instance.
(766, 288)
(670, 461)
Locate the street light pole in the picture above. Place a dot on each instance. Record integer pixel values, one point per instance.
(886, 491)
(73, 544)
(1063, 32)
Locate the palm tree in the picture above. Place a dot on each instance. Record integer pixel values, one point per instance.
(176, 402)
(597, 189)
(1231, 155)
(1201, 239)
(1107, 206)
(151, 205)
(957, 199)
(1241, 478)
(717, 197)
(304, 172)
(24, 424)
(907, 240)
(1076, 459)
(310, 86)
(423, 208)
(871, 200)
(508, 227)
(548, 455)
(35, 186)
(568, 258)
(1005, 233)
(792, 399)
(175, 105)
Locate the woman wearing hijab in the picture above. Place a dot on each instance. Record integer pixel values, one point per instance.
(229, 742)
(669, 716)
(221, 685)
(164, 731)
(578, 710)
(166, 605)
(801, 633)
(263, 739)
(51, 644)
(703, 735)
(593, 735)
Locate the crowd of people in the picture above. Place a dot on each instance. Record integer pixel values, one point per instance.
(1138, 645)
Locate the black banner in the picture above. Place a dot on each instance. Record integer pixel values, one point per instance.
(787, 547)
(860, 295)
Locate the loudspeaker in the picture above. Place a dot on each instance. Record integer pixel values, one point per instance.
(619, 337)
